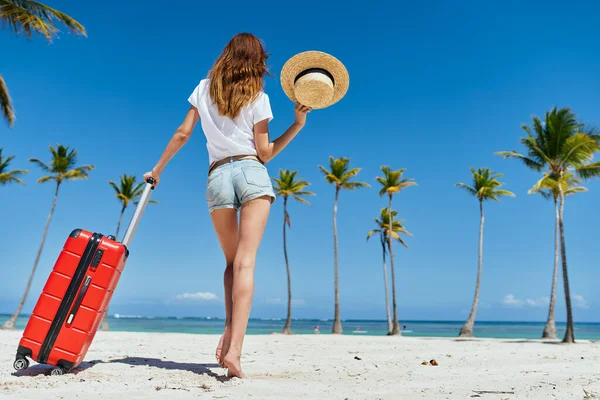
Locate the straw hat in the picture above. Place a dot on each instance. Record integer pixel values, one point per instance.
(314, 79)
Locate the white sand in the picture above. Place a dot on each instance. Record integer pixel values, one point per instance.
(129, 366)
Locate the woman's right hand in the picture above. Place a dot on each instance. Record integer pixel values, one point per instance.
(300, 112)
(153, 175)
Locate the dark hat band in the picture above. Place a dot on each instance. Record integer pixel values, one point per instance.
(313, 70)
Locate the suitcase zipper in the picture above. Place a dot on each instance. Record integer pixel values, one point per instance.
(82, 292)
(67, 301)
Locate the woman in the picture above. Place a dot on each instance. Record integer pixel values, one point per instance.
(235, 112)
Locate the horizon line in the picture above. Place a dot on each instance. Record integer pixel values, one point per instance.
(132, 316)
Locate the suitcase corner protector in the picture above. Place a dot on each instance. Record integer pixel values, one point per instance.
(75, 233)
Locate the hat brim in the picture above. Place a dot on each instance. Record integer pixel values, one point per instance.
(315, 59)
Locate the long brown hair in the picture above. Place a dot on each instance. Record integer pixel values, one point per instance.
(236, 78)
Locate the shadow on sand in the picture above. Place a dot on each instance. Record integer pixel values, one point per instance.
(200, 369)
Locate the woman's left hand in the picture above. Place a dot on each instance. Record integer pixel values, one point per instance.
(300, 112)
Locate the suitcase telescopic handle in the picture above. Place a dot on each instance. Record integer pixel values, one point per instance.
(137, 215)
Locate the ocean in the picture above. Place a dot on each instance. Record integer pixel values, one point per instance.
(483, 329)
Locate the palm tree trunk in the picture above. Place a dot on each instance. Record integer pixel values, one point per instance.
(569, 334)
(10, 324)
(467, 328)
(396, 325)
(337, 322)
(119, 224)
(385, 282)
(550, 328)
(105, 325)
(287, 329)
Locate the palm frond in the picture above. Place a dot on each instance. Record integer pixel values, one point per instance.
(372, 232)
(114, 186)
(301, 200)
(468, 188)
(587, 171)
(497, 193)
(27, 17)
(548, 187)
(7, 175)
(575, 190)
(354, 185)
(578, 150)
(529, 163)
(40, 164)
(74, 174)
(6, 103)
(149, 202)
(543, 183)
(46, 179)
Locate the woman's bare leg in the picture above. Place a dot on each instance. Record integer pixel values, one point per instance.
(226, 226)
(253, 219)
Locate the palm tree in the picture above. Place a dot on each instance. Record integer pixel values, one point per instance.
(7, 176)
(391, 183)
(126, 192)
(384, 222)
(62, 169)
(548, 188)
(559, 145)
(285, 186)
(341, 176)
(485, 187)
(26, 17)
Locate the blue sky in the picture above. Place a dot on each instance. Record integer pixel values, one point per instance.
(435, 88)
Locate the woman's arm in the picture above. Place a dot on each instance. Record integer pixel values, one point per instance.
(266, 149)
(179, 138)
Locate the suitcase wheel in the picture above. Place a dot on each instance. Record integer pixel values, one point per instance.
(58, 371)
(21, 364)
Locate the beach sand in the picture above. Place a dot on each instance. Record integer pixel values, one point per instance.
(128, 365)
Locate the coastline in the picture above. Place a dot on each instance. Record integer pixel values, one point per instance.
(178, 365)
(414, 328)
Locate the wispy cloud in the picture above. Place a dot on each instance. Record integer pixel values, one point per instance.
(275, 300)
(198, 296)
(580, 302)
(511, 301)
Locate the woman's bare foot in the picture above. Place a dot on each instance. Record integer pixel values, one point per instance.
(223, 346)
(233, 365)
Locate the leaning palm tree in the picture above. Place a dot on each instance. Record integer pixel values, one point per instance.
(559, 145)
(62, 169)
(384, 223)
(7, 176)
(548, 188)
(27, 17)
(485, 187)
(285, 186)
(341, 176)
(391, 183)
(126, 192)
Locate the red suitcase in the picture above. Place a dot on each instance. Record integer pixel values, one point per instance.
(70, 308)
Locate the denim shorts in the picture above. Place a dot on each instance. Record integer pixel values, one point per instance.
(232, 184)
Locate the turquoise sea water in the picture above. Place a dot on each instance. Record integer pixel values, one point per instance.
(508, 330)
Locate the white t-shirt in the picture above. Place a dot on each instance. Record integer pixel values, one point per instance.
(226, 137)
